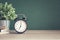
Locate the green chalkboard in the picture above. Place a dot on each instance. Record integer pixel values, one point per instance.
(41, 14)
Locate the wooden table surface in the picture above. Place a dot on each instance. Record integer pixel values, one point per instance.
(32, 35)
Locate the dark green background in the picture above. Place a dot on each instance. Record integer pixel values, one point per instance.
(41, 14)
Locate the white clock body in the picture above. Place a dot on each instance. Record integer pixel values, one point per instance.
(20, 26)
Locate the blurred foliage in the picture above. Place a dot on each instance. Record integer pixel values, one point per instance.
(7, 11)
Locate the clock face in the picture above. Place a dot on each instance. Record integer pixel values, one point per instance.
(20, 26)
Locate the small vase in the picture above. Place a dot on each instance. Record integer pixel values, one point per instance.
(4, 26)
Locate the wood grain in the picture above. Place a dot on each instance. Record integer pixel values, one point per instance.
(32, 35)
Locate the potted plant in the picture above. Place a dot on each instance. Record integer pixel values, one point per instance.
(7, 13)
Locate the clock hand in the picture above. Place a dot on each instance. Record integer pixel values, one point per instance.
(20, 25)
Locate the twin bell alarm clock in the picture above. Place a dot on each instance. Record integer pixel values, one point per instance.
(20, 24)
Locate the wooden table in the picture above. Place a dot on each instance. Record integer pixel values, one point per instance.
(32, 35)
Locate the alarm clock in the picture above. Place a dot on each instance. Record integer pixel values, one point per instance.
(20, 24)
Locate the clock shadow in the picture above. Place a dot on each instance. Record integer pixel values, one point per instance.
(13, 32)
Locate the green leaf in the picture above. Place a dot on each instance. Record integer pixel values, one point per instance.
(1, 5)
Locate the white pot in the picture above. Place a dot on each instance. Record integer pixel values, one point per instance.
(4, 26)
